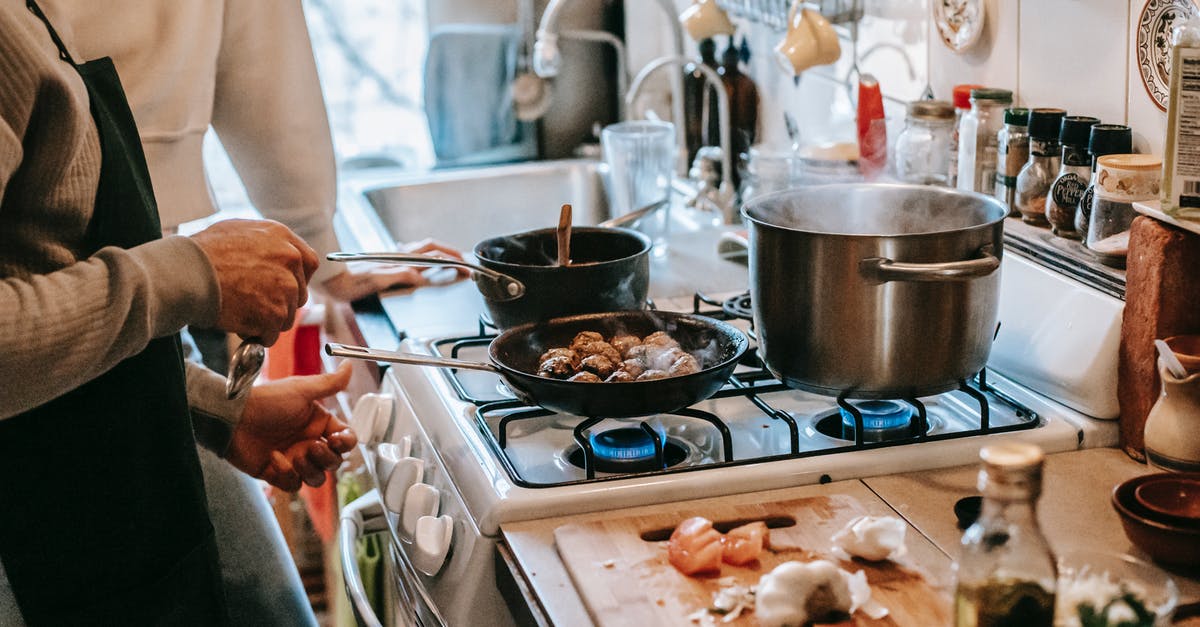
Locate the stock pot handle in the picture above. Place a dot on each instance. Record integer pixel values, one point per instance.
(882, 270)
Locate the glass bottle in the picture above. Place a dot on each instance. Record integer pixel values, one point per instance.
(1006, 574)
(923, 147)
(1121, 180)
(1073, 175)
(743, 104)
(1106, 139)
(1181, 174)
(977, 139)
(1034, 180)
(1012, 151)
(700, 112)
(962, 103)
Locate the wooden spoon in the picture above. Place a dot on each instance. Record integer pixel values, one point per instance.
(564, 236)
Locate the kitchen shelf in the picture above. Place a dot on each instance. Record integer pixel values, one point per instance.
(774, 13)
(1065, 256)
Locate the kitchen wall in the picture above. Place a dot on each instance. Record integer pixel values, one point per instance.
(1075, 54)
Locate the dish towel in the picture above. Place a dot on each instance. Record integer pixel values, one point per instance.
(469, 69)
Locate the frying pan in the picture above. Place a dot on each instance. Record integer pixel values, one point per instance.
(514, 356)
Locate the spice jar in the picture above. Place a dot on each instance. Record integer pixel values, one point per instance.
(1012, 151)
(1073, 175)
(962, 103)
(1120, 181)
(767, 170)
(923, 147)
(977, 139)
(1106, 139)
(1035, 178)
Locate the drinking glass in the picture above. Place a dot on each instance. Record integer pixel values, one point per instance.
(640, 156)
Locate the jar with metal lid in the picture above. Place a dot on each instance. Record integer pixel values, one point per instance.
(923, 147)
(1035, 178)
(977, 139)
(1012, 151)
(1106, 139)
(1073, 175)
(1121, 180)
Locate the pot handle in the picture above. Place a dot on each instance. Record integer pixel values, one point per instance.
(495, 285)
(882, 270)
(375, 354)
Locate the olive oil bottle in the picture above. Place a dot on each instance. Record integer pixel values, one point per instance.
(1181, 165)
(1006, 574)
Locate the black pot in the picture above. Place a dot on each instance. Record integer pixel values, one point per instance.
(609, 271)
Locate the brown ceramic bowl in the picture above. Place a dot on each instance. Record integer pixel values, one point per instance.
(1187, 349)
(1164, 542)
(1172, 499)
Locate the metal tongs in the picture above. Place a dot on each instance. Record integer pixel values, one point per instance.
(244, 366)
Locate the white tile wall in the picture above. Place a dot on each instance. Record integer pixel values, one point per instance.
(1075, 54)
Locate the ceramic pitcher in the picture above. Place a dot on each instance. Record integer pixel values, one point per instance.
(1173, 426)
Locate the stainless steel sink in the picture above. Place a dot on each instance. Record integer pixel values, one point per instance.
(462, 207)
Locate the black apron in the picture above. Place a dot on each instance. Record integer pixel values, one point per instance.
(102, 510)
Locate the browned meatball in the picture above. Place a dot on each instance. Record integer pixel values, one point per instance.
(633, 367)
(684, 365)
(623, 343)
(585, 337)
(639, 353)
(620, 376)
(584, 377)
(651, 375)
(600, 348)
(660, 338)
(556, 368)
(599, 365)
(661, 358)
(562, 352)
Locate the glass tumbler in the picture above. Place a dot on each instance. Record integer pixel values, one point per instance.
(640, 158)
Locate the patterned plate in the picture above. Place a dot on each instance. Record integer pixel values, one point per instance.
(1154, 44)
(959, 22)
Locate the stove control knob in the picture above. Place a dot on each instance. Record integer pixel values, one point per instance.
(431, 543)
(371, 417)
(407, 472)
(422, 500)
(388, 453)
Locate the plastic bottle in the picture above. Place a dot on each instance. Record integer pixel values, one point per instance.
(962, 103)
(1181, 166)
(1007, 574)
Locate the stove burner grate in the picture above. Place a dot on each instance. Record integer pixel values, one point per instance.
(628, 450)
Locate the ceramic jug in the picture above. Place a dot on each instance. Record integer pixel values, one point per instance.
(1173, 425)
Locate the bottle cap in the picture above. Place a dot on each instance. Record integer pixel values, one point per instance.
(1130, 162)
(1045, 123)
(1011, 470)
(707, 47)
(1016, 116)
(1110, 139)
(930, 110)
(962, 96)
(1076, 129)
(988, 93)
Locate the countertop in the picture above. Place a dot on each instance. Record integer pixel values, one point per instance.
(1074, 512)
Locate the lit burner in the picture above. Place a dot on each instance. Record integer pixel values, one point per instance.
(628, 450)
(880, 415)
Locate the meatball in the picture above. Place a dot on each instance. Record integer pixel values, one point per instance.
(633, 367)
(660, 338)
(639, 353)
(600, 348)
(599, 365)
(684, 365)
(556, 368)
(562, 352)
(585, 337)
(584, 377)
(651, 375)
(625, 342)
(662, 358)
(620, 376)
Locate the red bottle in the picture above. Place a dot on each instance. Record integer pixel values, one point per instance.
(872, 128)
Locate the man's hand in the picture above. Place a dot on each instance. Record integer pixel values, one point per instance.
(363, 278)
(286, 436)
(263, 269)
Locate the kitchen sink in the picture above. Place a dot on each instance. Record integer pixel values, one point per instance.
(462, 207)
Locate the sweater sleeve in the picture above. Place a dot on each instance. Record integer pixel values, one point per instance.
(270, 116)
(62, 329)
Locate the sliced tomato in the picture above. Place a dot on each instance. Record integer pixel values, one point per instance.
(695, 547)
(743, 545)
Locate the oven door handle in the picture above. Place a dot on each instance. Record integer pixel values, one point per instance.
(362, 516)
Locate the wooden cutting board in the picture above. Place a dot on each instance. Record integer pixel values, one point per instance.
(621, 571)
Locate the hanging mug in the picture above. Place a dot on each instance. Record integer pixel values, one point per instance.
(828, 46)
(704, 20)
(799, 49)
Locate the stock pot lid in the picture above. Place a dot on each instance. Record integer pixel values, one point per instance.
(874, 210)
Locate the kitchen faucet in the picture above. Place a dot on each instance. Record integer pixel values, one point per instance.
(716, 191)
(547, 60)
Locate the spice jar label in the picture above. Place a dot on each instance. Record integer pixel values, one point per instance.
(1068, 189)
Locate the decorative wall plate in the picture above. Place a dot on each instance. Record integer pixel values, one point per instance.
(959, 22)
(1154, 44)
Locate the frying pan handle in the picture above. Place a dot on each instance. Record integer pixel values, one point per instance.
(375, 354)
(882, 270)
(510, 287)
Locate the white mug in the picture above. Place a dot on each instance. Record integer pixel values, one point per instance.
(799, 49)
(704, 19)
